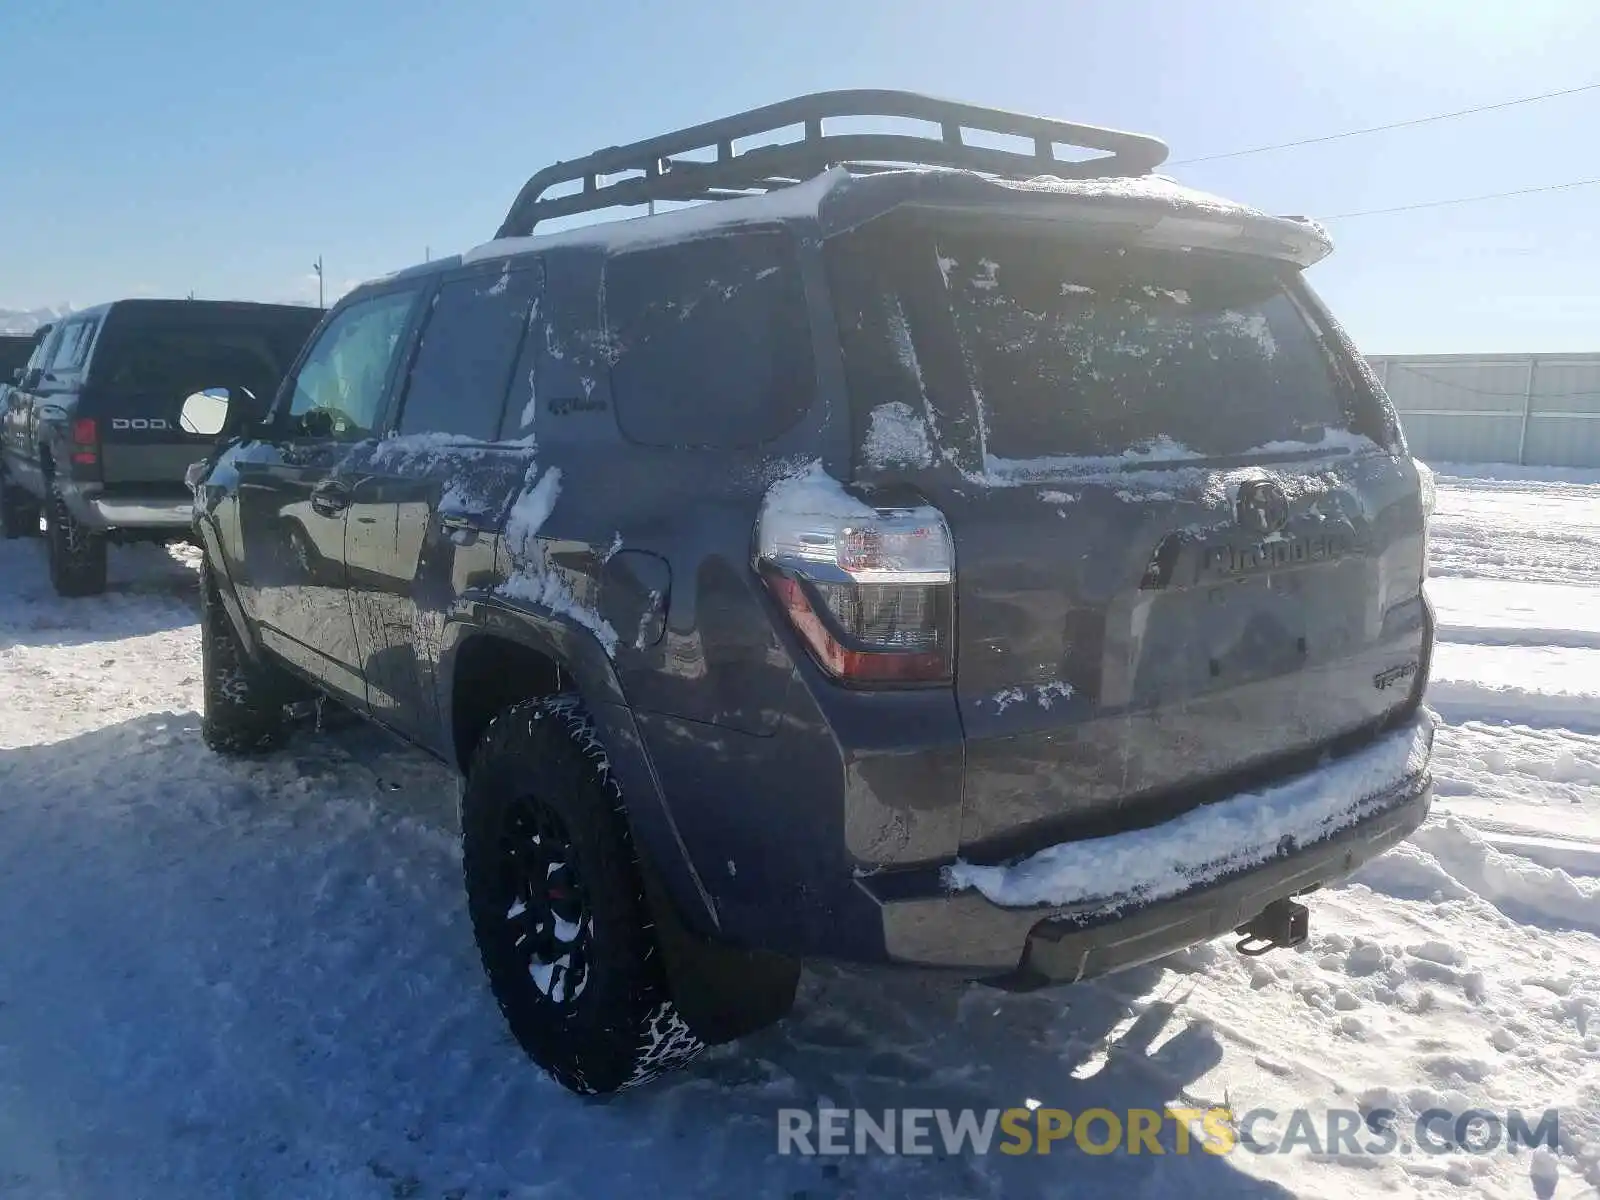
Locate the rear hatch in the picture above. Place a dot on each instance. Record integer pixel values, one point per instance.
(1188, 553)
(152, 355)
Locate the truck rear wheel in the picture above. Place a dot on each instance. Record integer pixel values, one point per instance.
(77, 554)
(558, 904)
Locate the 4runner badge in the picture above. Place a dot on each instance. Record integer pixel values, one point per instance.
(1387, 679)
(1262, 506)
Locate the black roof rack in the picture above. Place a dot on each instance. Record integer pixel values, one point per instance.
(660, 168)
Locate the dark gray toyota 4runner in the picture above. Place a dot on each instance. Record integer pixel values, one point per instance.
(928, 554)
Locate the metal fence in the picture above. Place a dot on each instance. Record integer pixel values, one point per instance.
(1537, 409)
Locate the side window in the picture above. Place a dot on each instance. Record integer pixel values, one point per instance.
(710, 341)
(44, 350)
(66, 338)
(339, 390)
(463, 368)
(73, 346)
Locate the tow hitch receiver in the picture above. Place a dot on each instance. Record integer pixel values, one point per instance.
(1281, 923)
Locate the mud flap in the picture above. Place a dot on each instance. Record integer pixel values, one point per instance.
(722, 992)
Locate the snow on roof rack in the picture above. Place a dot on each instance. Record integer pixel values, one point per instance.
(674, 166)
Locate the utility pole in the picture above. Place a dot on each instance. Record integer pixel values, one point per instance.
(427, 254)
(317, 267)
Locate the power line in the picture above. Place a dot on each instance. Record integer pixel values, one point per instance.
(1400, 208)
(1350, 133)
(1394, 364)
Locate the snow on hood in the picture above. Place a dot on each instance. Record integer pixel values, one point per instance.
(1206, 843)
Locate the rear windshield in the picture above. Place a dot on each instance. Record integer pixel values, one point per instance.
(14, 352)
(1078, 349)
(172, 352)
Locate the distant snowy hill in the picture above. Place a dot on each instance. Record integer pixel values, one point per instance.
(26, 320)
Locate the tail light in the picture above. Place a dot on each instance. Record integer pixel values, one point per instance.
(1430, 500)
(85, 442)
(869, 590)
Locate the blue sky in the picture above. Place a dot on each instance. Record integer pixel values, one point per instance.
(219, 146)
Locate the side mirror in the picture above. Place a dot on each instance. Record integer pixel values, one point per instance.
(30, 379)
(205, 412)
(16, 375)
(318, 424)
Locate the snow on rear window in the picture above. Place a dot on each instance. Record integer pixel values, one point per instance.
(1091, 351)
(1036, 346)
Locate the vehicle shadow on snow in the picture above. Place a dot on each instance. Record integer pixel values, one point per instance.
(149, 590)
(309, 935)
(875, 1040)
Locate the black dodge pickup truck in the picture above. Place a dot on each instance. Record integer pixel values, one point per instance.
(112, 408)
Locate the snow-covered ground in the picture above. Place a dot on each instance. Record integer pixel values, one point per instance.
(223, 980)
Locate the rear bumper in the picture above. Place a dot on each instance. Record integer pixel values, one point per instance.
(98, 509)
(145, 514)
(927, 924)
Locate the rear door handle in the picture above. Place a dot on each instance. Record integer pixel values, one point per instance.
(463, 528)
(476, 522)
(330, 499)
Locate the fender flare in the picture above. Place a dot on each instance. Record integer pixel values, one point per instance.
(216, 569)
(579, 655)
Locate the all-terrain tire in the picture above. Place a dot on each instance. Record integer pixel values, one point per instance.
(616, 1025)
(19, 512)
(77, 554)
(243, 698)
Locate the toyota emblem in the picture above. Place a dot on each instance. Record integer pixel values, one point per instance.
(1262, 506)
